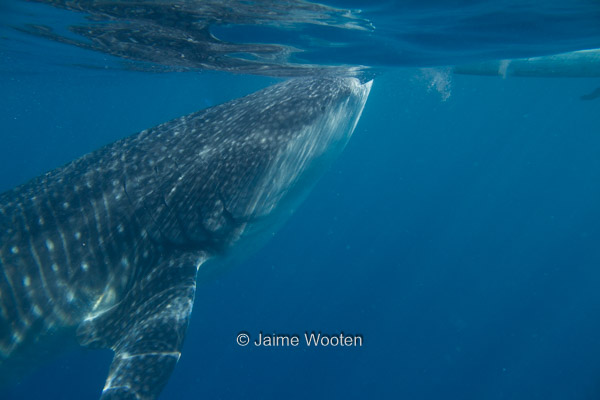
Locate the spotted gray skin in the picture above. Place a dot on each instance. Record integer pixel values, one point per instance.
(109, 245)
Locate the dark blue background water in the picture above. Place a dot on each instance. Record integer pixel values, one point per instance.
(459, 237)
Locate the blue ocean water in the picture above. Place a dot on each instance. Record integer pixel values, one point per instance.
(458, 233)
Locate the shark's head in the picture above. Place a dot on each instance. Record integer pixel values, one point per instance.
(291, 141)
(262, 153)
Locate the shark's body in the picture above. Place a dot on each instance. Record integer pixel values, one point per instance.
(109, 245)
(575, 64)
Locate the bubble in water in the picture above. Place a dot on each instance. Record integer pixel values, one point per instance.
(438, 79)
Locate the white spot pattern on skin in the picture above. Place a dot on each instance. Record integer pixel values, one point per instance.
(85, 266)
(26, 281)
(49, 245)
(17, 337)
(14, 250)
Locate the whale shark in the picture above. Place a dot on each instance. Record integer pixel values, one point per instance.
(107, 248)
(574, 64)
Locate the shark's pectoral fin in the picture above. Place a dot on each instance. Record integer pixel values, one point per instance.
(145, 330)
